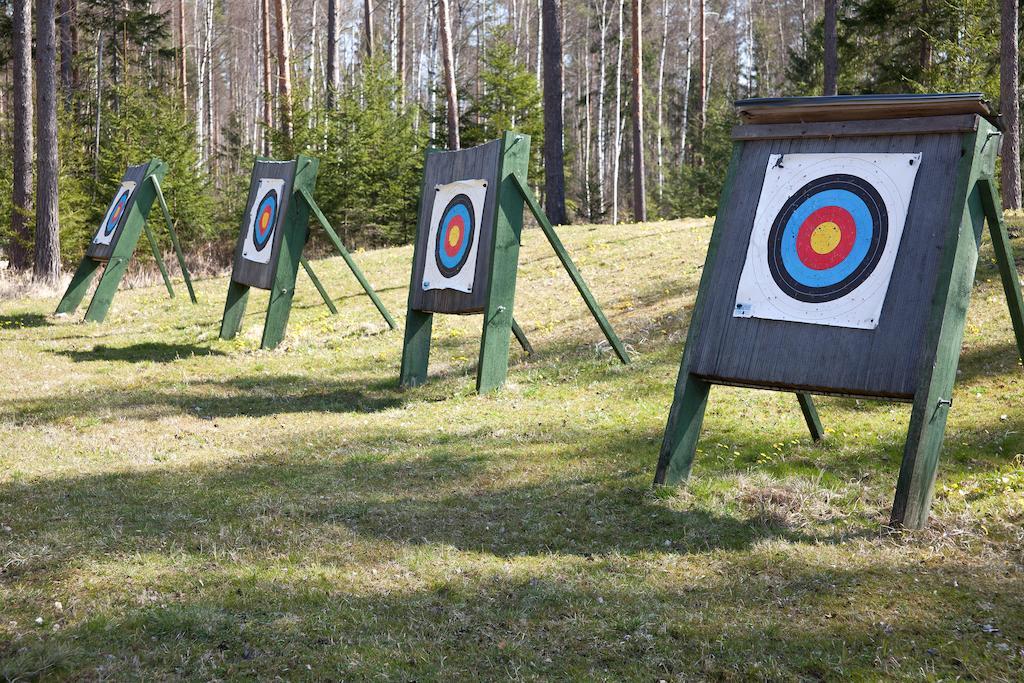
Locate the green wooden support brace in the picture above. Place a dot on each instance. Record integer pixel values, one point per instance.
(690, 399)
(492, 368)
(811, 417)
(316, 283)
(78, 287)
(418, 324)
(107, 286)
(174, 238)
(570, 268)
(944, 334)
(234, 309)
(521, 338)
(1004, 258)
(348, 257)
(159, 259)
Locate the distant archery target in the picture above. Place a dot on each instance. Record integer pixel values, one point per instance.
(115, 213)
(455, 234)
(453, 238)
(266, 217)
(263, 217)
(828, 238)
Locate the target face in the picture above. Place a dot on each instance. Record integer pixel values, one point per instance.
(454, 235)
(825, 238)
(115, 213)
(263, 218)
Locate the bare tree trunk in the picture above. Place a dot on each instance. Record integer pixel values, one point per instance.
(554, 155)
(332, 52)
(602, 166)
(284, 67)
(1009, 96)
(432, 39)
(368, 26)
(703, 39)
(401, 44)
(926, 41)
(182, 63)
(639, 185)
(688, 78)
(618, 119)
(19, 249)
(540, 39)
(448, 57)
(68, 49)
(47, 250)
(661, 101)
(831, 47)
(268, 107)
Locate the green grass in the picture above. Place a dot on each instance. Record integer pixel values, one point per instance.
(176, 506)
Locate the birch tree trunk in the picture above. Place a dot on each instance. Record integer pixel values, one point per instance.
(831, 47)
(47, 248)
(703, 39)
(661, 101)
(687, 80)
(1009, 96)
(618, 119)
(554, 155)
(639, 184)
(602, 68)
(19, 249)
(284, 68)
(448, 57)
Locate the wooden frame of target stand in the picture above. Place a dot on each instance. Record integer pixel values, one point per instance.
(502, 265)
(119, 256)
(294, 234)
(957, 128)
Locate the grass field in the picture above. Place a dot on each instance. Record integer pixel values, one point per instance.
(176, 506)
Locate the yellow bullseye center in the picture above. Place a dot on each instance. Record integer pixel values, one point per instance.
(453, 235)
(825, 237)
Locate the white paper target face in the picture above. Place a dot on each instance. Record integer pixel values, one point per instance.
(264, 215)
(115, 214)
(454, 236)
(826, 233)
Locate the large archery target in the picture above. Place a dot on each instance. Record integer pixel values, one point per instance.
(115, 213)
(263, 218)
(825, 237)
(453, 240)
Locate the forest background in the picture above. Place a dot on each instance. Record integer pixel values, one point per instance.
(629, 105)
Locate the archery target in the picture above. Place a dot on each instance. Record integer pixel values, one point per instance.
(826, 233)
(454, 236)
(264, 216)
(115, 214)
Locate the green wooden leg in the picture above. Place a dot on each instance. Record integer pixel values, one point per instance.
(78, 287)
(319, 287)
(281, 296)
(1004, 258)
(234, 310)
(363, 282)
(106, 289)
(416, 349)
(570, 268)
(811, 417)
(159, 259)
(934, 397)
(684, 421)
(521, 338)
(174, 240)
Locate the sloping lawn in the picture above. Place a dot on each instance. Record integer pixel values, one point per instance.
(176, 506)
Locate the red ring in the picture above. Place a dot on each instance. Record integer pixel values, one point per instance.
(848, 235)
(449, 248)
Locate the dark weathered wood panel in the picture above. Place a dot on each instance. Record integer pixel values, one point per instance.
(102, 252)
(480, 162)
(882, 362)
(964, 123)
(261, 275)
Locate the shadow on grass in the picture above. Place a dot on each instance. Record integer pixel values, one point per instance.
(152, 352)
(23, 320)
